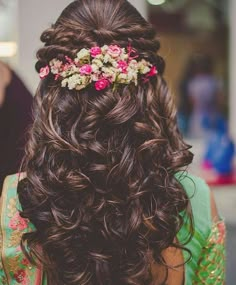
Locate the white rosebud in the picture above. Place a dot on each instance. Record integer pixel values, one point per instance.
(124, 56)
(104, 48)
(97, 62)
(122, 78)
(64, 82)
(145, 70)
(107, 58)
(95, 77)
(133, 63)
(55, 65)
(83, 53)
(73, 81)
(95, 68)
(110, 73)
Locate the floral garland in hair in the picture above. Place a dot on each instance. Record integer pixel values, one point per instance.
(102, 66)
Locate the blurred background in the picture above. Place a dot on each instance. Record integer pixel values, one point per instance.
(198, 42)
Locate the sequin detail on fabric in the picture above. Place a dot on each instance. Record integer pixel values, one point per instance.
(211, 266)
(13, 226)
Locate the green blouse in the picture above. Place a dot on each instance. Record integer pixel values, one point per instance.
(207, 265)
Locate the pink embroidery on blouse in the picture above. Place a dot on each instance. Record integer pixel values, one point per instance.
(221, 233)
(18, 223)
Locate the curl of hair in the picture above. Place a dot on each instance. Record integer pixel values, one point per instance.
(100, 186)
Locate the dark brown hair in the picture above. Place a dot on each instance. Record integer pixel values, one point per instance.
(101, 188)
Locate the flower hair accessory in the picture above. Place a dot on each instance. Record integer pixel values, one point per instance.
(101, 67)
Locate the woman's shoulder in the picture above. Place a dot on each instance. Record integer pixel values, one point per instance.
(199, 195)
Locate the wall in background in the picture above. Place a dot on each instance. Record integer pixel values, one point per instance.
(33, 17)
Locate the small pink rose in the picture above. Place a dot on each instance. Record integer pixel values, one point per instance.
(25, 261)
(20, 275)
(221, 233)
(102, 84)
(123, 65)
(69, 60)
(66, 66)
(86, 69)
(94, 51)
(152, 72)
(18, 223)
(57, 76)
(44, 71)
(114, 51)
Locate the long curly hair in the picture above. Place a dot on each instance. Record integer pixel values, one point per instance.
(101, 188)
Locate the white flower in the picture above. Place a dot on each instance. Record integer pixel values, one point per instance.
(143, 66)
(55, 65)
(110, 73)
(95, 77)
(114, 64)
(145, 70)
(64, 82)
(73, 81)
(97, 62)
(104, 49)
(83, 54)
(100, 56)
(76, 81)
(107, 58)
(133, 76)
(122, 78)
(124, 56)
(133, 64)
(95, 68)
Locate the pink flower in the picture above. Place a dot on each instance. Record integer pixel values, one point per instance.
(57, 76)
(69, 59)
(152, 72)
(66, 66)
(86, 69)
(114, 51)
(102, 84)
(221, 233)
(18, 223)
(25, 261)
(123, 65)
(44, 71)
(20, 275)
(95, 51)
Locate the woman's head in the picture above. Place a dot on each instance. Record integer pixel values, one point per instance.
(84, 24)
(100, 165)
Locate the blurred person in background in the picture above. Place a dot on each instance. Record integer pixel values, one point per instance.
(103, 199)
(204, 92)
(15, 117)
(184, 102)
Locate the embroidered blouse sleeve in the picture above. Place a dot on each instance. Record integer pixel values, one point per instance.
(16, 269)
(211, 265)
(3, 278)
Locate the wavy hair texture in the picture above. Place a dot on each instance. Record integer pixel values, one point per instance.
(100, 187)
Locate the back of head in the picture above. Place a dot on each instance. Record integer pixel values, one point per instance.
(100, 165)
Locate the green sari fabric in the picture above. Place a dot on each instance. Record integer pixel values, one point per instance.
(206, 266)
